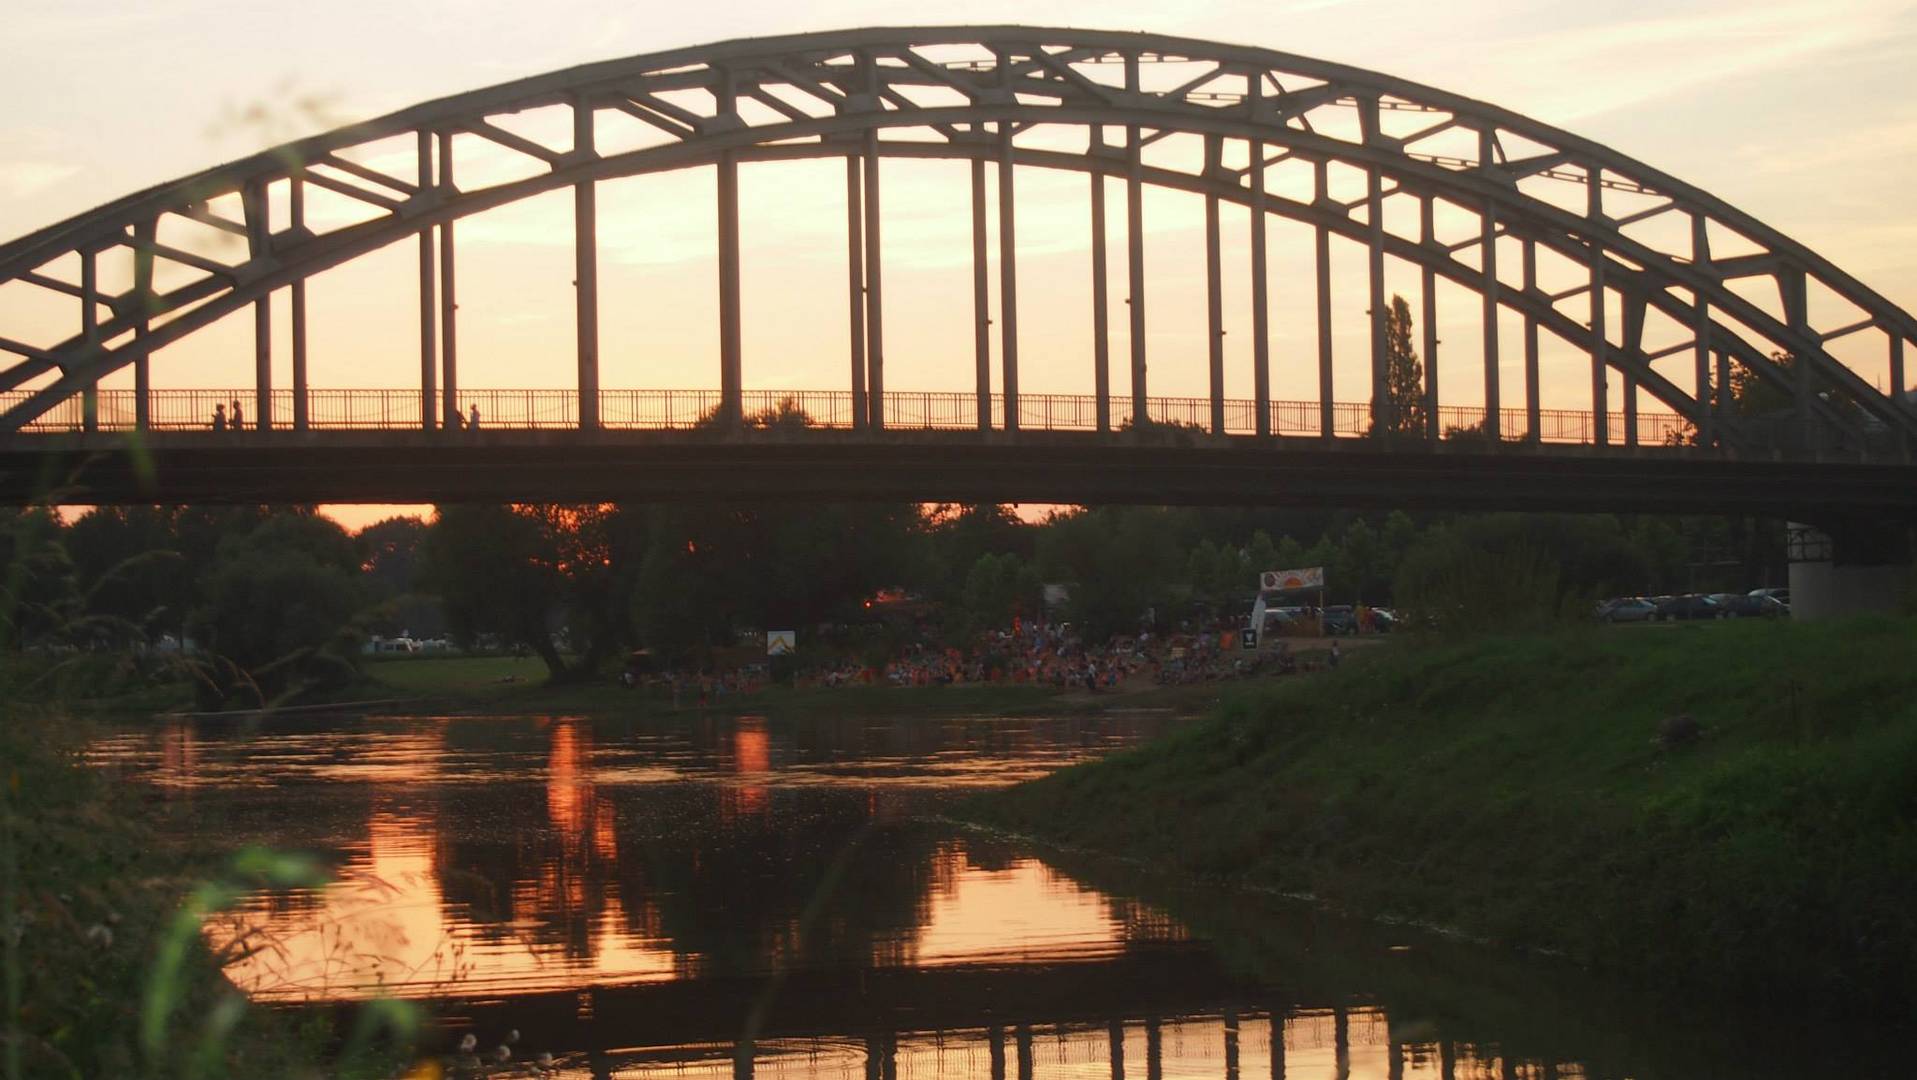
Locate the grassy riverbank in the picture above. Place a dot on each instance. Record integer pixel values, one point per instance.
(1518, 790)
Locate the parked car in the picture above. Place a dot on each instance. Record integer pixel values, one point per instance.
(1782, 596)
(1340, 619)
(1753, 605)
(1625, 609)
(1688, 606)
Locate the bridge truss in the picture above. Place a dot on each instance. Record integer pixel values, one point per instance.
(1626, 264)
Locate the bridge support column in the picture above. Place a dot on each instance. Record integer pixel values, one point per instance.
(263, 363)
(142, 356)
(1101, 314)
(1135, 254)
(1381, 420)
(428, 304)
(731, 385)
(448, 296)
(1701, 375)
(1493, 400)
(1008, 275)
(1851, 567)
(855, 284)
(90, 330)
(1600, 355)
(1798, 316)
(1898, 389)
(585, 257)
(1429, 301)
(1260, 291)
(1214, 316)
(1327, 425)
(302, 418)
(981, 303)
(874, 286)
(259, 243)
(1532, 418)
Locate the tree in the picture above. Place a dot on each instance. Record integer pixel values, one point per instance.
(277, 611)
(1404, 379)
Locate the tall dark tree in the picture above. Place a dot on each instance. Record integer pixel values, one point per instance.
(1404, 378)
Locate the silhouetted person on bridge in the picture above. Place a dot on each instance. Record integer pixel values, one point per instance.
(472, 417)
(219, 418)
(238, 423)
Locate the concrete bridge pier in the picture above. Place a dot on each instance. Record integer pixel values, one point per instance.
(1851, 567)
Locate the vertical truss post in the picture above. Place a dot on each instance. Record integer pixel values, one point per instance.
(1427, 234)
(1488, 223)
(874, 277)
(731, 381)
(1135, 263)
(585, 257)
(1381, 418)
(1008, 275)
(995, 1051)
(1791, 281)
(1260, 287)
(1600, 348)
(296, 212)
(1701, 373)
(1600, 354)
(1722, 404)
(259, 245)
(1897, 388)
(1231, 1044)
(1115, 1039)
(1327, 426)
(143, 233)
(428, 304)
(90, 331)
(981, 302)
(1101, 315)
(855, 284)
(448, 294)
(1531, 388)
(1214, 316)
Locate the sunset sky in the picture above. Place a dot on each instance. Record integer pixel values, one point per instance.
(1799, 113)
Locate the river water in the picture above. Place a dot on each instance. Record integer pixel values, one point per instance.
(715, 896)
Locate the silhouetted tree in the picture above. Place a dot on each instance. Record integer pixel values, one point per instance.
(1404, 379)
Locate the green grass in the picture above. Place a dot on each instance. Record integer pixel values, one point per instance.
(1515, 788)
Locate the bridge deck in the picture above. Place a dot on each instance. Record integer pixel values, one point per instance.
(1152, 466)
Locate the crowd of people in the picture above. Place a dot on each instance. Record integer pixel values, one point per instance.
(1027, 653)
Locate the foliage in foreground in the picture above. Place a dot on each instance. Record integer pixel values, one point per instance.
(1520, 789)
(105, 970)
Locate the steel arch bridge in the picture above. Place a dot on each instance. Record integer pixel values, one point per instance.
(1622, 262)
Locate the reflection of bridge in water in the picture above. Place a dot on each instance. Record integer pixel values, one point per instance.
(1150, 1015)
(1659, 297)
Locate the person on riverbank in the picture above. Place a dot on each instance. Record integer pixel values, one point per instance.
(472, 417)
(1334, 652)
(234, 417)
(219, 417)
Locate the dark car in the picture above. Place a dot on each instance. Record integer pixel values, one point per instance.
(1341, 619)
(1782, 596)
(1625, 609)
(1757, 605)
(1688, 606)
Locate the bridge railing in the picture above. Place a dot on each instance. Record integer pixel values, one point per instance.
(637, 409)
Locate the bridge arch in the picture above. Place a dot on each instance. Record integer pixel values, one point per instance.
(868, 94)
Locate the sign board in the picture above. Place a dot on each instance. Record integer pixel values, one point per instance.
(1249, 639)
(781, 642)
(1310, 577)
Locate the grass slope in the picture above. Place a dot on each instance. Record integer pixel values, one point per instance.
(1515, 789)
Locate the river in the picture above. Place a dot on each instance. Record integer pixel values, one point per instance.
(718, 896)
